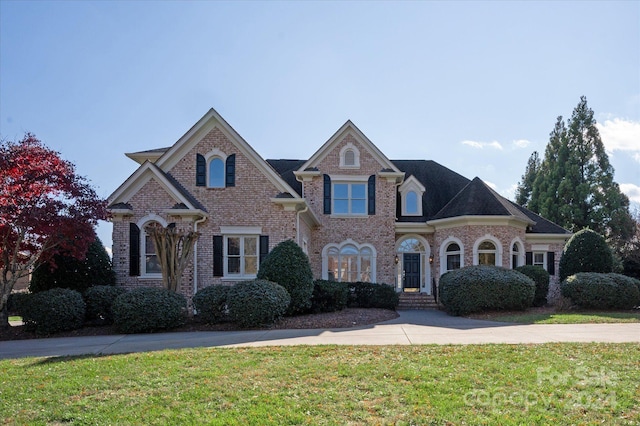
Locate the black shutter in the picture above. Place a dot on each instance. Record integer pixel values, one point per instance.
(230, 171)
(201, 171)
(264, 247)
(171, 225)
(372, 194)
(218, 268)
(529, 258)
(327, 194)
(134, 250)
(551, 263)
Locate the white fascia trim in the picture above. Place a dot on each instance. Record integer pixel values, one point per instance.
(241, 230)
(457, 221)
(338, 136)
(140, 158)
(411, 183)
(290, 204)
(207, 123)
(392, 177)
(548, 238)
(139, 178)
(414, 227)
(306, 175)
(348, 178)
(186, 213)
(121, 212)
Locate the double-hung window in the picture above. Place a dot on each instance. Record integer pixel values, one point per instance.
(241, 255)
(350, 198)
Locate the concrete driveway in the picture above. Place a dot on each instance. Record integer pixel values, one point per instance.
(417, 327)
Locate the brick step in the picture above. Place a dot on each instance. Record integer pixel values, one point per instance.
(417, 301)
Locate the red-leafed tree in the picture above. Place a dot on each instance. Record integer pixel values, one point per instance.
(44, 207)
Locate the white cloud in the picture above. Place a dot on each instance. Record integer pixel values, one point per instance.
(621, 135)
(521, 143)
(632, 191)
(481, 145)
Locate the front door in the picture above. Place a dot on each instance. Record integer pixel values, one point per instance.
(411, 275)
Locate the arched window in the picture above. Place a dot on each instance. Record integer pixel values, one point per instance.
(216, 173)
(453, 254)
(515, 254)
(486, 253)
(411, 200)
(349, 158)
(349, 263)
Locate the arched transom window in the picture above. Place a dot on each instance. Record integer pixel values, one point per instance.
(453, 253)
(350, 263)
(486, 253)
(411, 245)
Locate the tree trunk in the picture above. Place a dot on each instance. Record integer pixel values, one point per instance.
(4, 318)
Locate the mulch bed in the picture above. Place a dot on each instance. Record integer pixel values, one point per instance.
(350, 317)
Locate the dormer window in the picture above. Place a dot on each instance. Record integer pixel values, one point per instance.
(411, 192)
(349, 157)
(216, 169)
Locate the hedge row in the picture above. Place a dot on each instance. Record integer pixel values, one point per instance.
(602, 291)
(372, 295)
(478, 288)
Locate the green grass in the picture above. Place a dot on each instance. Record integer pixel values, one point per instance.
(569, 317)
(15, 318)
(478, 385)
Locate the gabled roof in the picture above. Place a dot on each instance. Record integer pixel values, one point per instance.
(144, 174)
(148, 155)
(441, 185)
(337, 137)
(478, 199)
(285, 169)
(207, 123)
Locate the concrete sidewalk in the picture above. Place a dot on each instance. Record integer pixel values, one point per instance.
(410, 328)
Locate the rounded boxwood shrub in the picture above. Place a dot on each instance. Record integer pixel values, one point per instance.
(329, 296)
(99, 300)
(586, 251)
(16, 301)
(211, 303)
(601, 291)
(288, 266)
(148, 309)
(372, 295)
(479, 288)
(541, 278)
(52, 311)
(257, 302)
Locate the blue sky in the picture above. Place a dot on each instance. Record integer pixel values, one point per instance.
(475, 86)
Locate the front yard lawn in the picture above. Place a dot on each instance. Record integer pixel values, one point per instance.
(546, 316)
(443, 385)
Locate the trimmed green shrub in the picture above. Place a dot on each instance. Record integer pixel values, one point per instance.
(372, 295)
(329, 296)
(601, 291)
(76, 274)
(52, 311)
(288, 266)
(99, 300)
(541, 277)
(211, 303)
(16, 301)
(257, 302)
(148, 309)
(479, 288)
(586, 251)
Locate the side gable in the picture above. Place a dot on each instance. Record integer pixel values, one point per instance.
(149, 171)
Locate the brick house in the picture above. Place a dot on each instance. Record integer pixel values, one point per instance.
(357, 214)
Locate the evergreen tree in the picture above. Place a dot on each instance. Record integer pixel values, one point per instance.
(66, 271)
(523, 192)
(574, 186)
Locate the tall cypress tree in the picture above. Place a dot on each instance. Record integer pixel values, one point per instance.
(525, 186)
(574, 186)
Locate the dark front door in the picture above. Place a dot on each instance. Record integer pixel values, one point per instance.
(411, 262)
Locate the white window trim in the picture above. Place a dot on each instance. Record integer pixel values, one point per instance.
(544, 259)
(225, 257)
(339, 247)
(411, 184)
(209, 157)
(492, 239)
(142, 223)
(356, 157)
(443, 253)
(351, 180)
(521, 252)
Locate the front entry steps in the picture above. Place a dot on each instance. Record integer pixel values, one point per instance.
(417, 301)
